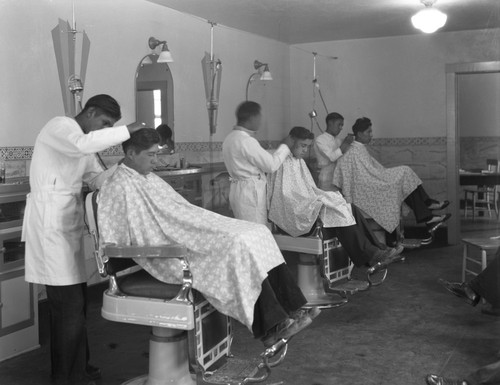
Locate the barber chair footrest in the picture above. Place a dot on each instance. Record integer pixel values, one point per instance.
(413, 243)
(234, 372)
(351, 286)
(325, 301)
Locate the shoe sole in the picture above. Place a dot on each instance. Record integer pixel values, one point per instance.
(289, 332)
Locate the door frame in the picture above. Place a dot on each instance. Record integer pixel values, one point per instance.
(453, 137)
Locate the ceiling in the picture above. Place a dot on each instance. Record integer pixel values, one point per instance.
(305, 21)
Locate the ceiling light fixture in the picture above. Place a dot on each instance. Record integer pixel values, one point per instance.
(262, 70)
(165, 55)
(430, 19)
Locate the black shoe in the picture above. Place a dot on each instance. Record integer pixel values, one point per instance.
(432, 379)
(436, 222)
(494, 311)
(461, 290)
(92, 372)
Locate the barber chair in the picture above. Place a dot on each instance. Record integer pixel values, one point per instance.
(190, 341)
(324, 268)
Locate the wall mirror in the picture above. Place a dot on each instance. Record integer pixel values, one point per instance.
(154, 93)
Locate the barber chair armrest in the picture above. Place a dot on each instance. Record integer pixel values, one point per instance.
(112, 250)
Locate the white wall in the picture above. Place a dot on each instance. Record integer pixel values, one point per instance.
(118, 32)
(479, 104)
(398, 82)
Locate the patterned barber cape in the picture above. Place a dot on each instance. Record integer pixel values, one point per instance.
(377, 190)
(229, 258)
(294, 201)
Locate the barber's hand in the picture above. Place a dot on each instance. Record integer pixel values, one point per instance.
(289, 142)
(133, 127)
(349, 139)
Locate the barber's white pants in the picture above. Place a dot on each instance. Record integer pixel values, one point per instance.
(248, 200)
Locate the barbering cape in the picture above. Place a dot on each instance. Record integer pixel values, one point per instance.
(377, 190)
(294, 201)
(228, 258)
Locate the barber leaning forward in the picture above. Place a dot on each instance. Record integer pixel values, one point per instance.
(247, 162)
(63, 158)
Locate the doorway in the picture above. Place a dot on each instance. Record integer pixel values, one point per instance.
(453, 72)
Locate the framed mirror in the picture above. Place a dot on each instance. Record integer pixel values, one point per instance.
(154, 93)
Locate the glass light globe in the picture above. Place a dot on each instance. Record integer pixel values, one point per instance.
(429, 20)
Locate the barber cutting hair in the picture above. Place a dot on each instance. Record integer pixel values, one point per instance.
(64, 157)
(247, 162)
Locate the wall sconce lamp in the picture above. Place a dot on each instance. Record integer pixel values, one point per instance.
(165, 55)
(262, 70)
(430, 19)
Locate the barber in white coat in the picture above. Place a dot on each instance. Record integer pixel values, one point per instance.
(247, 162)
(328, 148)
(63, 158)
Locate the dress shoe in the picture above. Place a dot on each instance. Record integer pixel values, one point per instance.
(494, 311)
(436, 205)
(436, 221)
(461, 290)
(312, 313)
(432, 379)
(92, 372)
(387, 256)
(286, 330)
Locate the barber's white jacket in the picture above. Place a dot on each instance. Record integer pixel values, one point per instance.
(63, 158)
(247, 162)
(327, 150)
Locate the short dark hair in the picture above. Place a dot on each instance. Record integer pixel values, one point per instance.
(333, 116)
(361, 124)
(246, 110)
(141, 140)
(301, 133)
(106, 104)
(165, 131)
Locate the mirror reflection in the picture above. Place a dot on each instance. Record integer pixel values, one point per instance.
(154, 98)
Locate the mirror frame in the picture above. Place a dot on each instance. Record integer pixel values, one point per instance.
(168, 112)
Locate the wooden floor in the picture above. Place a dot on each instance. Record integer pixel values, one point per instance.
(394, 333)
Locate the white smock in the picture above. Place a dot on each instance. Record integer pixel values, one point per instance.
(63, 158)
(327, 151)
(247, 162)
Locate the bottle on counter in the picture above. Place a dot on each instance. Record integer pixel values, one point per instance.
(2, 170)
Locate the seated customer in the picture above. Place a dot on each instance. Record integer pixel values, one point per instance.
(235, 264)
(380, 191)
(295, 203)
(485, 285)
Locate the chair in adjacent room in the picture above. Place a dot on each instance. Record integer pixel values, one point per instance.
(483, 198)
(190, 341)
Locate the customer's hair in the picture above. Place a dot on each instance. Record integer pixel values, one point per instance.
(165, 132)
(361, 124)
(333, 116)
(141, 140)
(301, 133)
(246, 110)
(106, 104)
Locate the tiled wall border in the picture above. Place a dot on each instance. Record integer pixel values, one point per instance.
(25, 153)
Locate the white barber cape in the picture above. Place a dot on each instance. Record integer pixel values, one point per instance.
(295, 202)
(228, 258)
(377, 190)
(63, 158)
(247, 162)
(327, 151)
